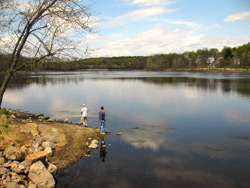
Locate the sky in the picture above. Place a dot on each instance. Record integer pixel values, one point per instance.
(149, 27)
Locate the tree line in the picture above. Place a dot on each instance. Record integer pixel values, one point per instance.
(237, 57)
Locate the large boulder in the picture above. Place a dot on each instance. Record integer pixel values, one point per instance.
(12, 185)
(14, 153)
(49, 151)
(41, 155)
(39, 175)
(31, 128)
(94, 144)
(47, 144)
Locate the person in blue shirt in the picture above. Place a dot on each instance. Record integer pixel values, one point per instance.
(102, 116)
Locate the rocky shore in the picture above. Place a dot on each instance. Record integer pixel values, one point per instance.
(34, 147)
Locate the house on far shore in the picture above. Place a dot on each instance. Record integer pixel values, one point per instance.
(210, 60)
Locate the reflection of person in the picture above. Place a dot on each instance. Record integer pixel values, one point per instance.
(103, 151)
(84, 112)
(102, 115)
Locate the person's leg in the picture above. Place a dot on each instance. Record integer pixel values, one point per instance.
(101, 121)
(85, 121)
(82, 120)
(103, 125)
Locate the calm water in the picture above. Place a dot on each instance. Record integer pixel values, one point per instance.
(179, 129)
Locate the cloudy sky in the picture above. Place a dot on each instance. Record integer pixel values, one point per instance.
(146, 27)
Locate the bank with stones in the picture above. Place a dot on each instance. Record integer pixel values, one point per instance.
(51, 146)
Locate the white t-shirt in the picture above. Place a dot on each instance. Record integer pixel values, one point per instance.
(84, 111)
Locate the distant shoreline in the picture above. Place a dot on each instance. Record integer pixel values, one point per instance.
(172, 70)
(209, 70)
(227, 70)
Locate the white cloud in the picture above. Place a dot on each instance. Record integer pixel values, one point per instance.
(152, 2)
(154, 41)
(136, 15)
(165, 40)
(238, 17)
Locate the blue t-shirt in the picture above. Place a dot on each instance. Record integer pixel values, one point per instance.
(102, 115)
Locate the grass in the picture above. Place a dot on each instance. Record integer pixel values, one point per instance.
(4, 122)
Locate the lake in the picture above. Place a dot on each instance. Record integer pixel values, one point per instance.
(179, 129)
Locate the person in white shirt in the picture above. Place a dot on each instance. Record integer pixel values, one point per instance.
(84, 112)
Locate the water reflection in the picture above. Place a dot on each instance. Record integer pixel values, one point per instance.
(238, 83)
(103, 152)
(237, 117)
(179, 129)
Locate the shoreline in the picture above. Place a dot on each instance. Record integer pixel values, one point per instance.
(70, 142)
(215, 70)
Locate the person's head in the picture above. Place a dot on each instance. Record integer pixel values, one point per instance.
(83, 105)
(102, 108)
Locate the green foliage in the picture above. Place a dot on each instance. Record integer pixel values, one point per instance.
(237, 57)
(4, 122)
(4, 111)
(228, 53)
(4, 126)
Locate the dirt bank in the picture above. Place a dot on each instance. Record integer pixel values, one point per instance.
(71, 139)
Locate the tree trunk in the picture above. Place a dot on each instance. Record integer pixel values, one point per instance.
(4, 85)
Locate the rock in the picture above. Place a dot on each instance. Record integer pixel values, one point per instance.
(94, 144)
(120, 133)
(41, 176)
(47, 144)
(13, 166)
(40, 118)
(36, 144)
(3, 171)
(31, 185)
(31, 128)
(50, 138)
(95, 141)
(15, 178)
(46, 117)
(34, 150)
(51, 168)
(7, 165)
(2, 160)
(12, 185)
(25, 147)
(53, 119)
(60, 121)
(23, 167)
(3, 146)
(14, 153)
(66, 120)
(39, 114)
(36, 156)
(49, 151)
(54, 130)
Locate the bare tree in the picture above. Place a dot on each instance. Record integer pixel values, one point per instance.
(42, 28)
